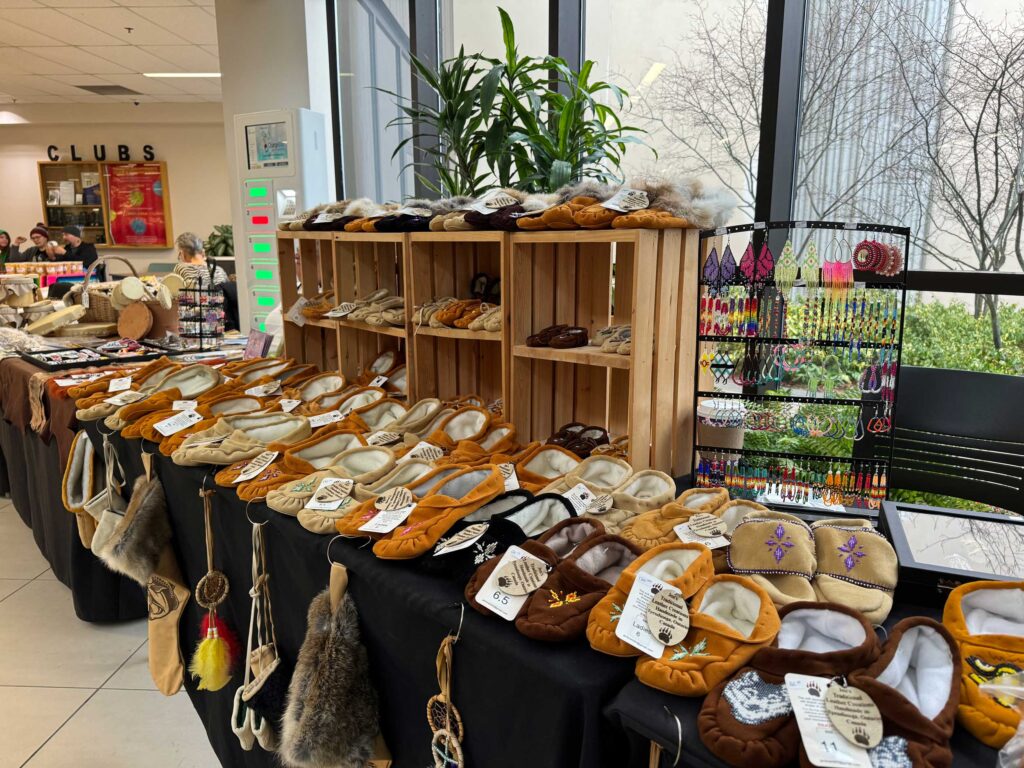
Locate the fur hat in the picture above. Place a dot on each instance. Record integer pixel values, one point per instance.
(138, 538)
(331, 717)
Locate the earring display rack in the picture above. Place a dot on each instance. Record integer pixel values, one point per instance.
(803, 348)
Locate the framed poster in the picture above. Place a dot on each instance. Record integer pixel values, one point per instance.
(138, 205)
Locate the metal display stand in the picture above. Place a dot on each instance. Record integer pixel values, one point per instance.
(775, 331)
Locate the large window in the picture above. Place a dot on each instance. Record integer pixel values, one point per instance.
(475, 24)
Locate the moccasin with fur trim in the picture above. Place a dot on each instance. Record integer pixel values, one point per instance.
(601, 474)
(384, 363)
(777, 551)
(313, 387)
(857, 566)
(986, 618)
(267, 370)
(499, 441)
(731, 618)
(79, 474)
(915, 683)
(647, 490)
(749, 720)
(557, 543)
(544, 464)
(420, 487)
(458, 495)
(320, 450)
(244, 437)
(559, 609)
(687, 566)
(510, 519)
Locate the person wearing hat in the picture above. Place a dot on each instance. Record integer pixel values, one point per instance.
(41, 248)
(76, 249)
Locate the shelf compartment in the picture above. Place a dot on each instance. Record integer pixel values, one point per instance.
(304, 266)
(578, 355)
(384, 330)
(458, 333)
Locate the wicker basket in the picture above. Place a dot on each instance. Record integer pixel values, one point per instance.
(98, 308)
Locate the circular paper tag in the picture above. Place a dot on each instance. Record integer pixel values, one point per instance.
(668, 618)
(706, 525)
(521, 577)
(600, 504)
(394, 499)
(854, 715)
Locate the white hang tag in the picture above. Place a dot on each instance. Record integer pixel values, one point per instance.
(126, 397)
(580, 497)
(379, 381)
(264, 390)
(119, 384)
(854, 715)
(344, 309)
(824, 745)
(326, 218)
(759, 225)
(177, 422)
(600, 504)
(508, 474)
(288, 405)
(423, 450)
(533, 211)
(467, 537)
(256, 466)
(626, 200)
(501, 603)
(387, 520)
(684, 532)
(383, 438)
(79, 378)
(295, 312)
(184, 405)
(706, 525)
(631, 626)
(325, 418)
(491, 201)
(330, 494)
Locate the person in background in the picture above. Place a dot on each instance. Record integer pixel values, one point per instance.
(41, 249)
(196, 271)
(75, 248)
(8, 251)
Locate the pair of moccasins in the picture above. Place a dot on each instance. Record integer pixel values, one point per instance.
(237, 438)
(559, 337)
(731, 618)
(913, 678)
(579, 438)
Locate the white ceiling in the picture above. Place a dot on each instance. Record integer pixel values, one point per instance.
(47, 47)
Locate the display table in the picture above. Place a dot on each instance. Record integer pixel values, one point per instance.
(522, 702)
(34, 471)
(651, 715)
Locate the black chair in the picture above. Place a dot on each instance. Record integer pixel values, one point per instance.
(960, 433)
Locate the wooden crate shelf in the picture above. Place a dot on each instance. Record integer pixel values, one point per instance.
(458, 333)
(579, 355)
(384, 330)
(305, 265)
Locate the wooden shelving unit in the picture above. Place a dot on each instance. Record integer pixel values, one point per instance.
(452, 361)
(647, 278)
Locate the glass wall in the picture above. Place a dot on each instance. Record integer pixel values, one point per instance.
(475, 24)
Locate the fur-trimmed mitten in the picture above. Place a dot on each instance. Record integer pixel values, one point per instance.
(331, 717)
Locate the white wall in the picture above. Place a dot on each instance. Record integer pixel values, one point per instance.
(189, 137)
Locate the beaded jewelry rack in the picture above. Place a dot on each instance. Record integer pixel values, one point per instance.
(804, 342)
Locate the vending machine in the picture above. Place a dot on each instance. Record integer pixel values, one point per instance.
(282, 170)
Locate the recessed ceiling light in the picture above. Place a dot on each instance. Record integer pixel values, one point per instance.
(181, 74)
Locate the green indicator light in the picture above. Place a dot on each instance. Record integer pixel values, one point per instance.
(265, 301)
(261, 247)
(264, 274)
(257, 191)
(263, 327)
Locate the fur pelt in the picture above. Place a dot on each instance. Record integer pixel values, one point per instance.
(331, 717)
(449, 204)
(79, 476)
(362, 206)
(135, 545)
(585, 188)
(538, 202)
(688, 198)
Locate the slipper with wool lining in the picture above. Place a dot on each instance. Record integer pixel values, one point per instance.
(544, 464)
(642, 492)
(655, 527)
(420, 487)
(318, 451)
(234, 438)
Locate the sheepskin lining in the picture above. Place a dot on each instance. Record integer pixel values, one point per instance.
(732, 604)
(361, 399)
(399, 380)
(382, 415)
(423, 409)
(384, 363)
(994, 612)
(323, 454)
(494, 436)
(465, 425)
(435, 423)
(359, 461)
(551, 463)
(235, 405)
(540, 515)
(734, 514)
(498, 506)
(670, 564)
(698, 499)
(192, 381)
(647, 483)
(267, 370)
(570, 537)
(606, 561)
(268, 433)
(321, 385)
(820, 631)
(420, 489)
(603, 471)
(921, 669)
(403, 474)
(459, 486)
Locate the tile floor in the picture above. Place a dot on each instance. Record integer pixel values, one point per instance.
(78, 694)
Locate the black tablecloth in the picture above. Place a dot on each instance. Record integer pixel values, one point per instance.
(35, 476)
(522, 702)
(653, 715)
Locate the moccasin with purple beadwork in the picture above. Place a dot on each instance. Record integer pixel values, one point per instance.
(776, 551)
(857, 566)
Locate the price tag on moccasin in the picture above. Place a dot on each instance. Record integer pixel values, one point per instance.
(467, 537)
(396, 498)
(853, 714)
(387, 520)
(342, 310)
(520, 577)
(330, 494)
(177, 422)
(668, 618)
(383, 438)
(379, 381)
(423, 450)
(824, 745)
(626, 200)
(127, 397)
(264, 390)
(580, 497)
(294, 312)
(508, 474)
(184, 405)
(288, 404)
(685, 533)
(706, 525)
(600, 504)
(491, 201)
(501, 603)
(632, 626)
(119, 384)
(256, 466)
(325, 418)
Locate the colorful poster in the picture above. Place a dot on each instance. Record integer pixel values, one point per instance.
(135, 199)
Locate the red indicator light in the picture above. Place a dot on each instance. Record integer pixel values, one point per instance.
(260, 219)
